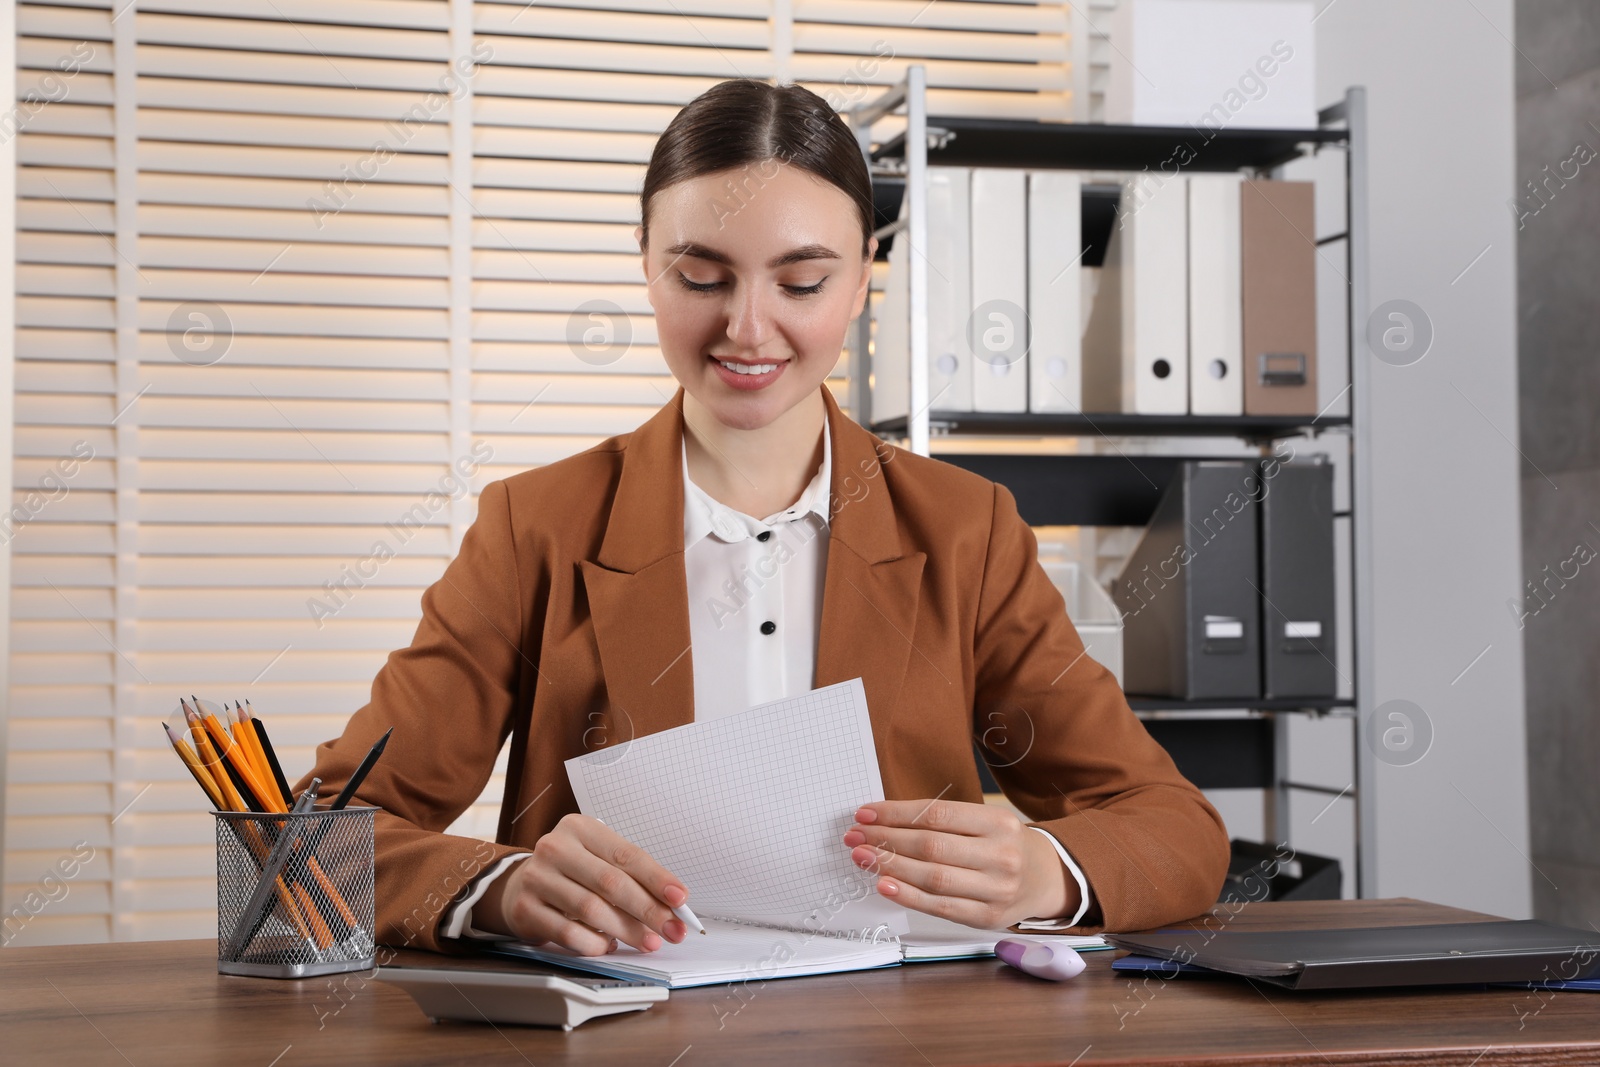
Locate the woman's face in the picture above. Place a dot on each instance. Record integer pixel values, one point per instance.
(757, 268)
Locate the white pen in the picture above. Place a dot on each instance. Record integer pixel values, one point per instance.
(682, 911)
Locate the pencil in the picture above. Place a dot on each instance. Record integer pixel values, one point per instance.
(191, 761)
(236, 734)
(213, 762)
(222, 769)
(359, 775)
(240, 738)
(253, 746)
(260, 730)
(237, 759)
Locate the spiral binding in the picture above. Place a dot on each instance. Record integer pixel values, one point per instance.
(880, 934)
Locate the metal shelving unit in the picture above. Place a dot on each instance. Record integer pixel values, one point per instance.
(1078, 489)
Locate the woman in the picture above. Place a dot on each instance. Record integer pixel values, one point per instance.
(631, 588)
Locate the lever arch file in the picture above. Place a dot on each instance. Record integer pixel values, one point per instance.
(1297, 581)
(948, 257)
(1055, 283)
(1279, 288)
(998, 327)
(950, 360)
(1136, 351)
(1216, 310)
(1188, 592)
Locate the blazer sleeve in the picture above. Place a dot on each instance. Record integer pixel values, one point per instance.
(1068, 751)
(449, 697)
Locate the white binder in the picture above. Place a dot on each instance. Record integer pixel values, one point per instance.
(998, 329)
(891, 382)
(1136, 350)
(949, 270)
(950, 362)
(1216, 303)
(1055, 282)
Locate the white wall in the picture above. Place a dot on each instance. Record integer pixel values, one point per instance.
(1453, 825)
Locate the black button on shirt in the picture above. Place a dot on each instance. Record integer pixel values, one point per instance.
(763, 535)
(769, 627)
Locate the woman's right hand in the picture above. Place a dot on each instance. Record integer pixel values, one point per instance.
(585, 888)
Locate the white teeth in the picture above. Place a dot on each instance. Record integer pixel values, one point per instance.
(742, 368)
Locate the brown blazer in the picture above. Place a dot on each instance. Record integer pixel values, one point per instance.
(563, 624)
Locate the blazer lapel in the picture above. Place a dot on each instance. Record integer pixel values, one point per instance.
(638, 594)
(871, 590)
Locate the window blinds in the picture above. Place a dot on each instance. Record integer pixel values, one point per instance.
(294, 281)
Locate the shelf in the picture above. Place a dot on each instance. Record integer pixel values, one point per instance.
(1030, 424)
(1075, 489)
(1212, 748)
(1306, 704)
(1097, 146)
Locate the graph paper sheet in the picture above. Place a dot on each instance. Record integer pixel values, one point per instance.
(749, 810)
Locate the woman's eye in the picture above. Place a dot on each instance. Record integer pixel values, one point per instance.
(706, 287)
(696, 287)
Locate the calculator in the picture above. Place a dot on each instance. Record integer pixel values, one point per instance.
(517, 995)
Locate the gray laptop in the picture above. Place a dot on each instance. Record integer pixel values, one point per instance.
(1526, 950)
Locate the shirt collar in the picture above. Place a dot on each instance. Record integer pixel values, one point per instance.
(703, 514)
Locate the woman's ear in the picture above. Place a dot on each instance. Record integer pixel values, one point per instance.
(866, 277)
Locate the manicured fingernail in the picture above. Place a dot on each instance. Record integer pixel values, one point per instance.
(675, 930)
(612, 947)
(888, 888)
(866, 815)
(675, 895)
(651, 942)
(854, 838)
(864, 857)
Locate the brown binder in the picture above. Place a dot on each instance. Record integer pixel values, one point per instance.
(1277, 252)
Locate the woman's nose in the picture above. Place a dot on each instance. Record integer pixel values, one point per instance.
(749, 317)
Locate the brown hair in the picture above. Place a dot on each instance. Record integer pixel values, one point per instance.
(740, 122)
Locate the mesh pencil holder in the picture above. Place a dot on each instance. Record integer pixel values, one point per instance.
(295, 893)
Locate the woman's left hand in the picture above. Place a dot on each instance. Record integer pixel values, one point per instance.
(976, 864)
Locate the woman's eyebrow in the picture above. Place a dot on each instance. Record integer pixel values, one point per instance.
(794, 255)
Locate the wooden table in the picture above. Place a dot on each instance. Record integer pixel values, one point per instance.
(162, 1003)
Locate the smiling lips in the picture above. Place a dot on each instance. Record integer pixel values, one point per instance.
(747, 368)
(748, 375)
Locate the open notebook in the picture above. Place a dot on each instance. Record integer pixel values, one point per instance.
(732, 951)
(749, 811)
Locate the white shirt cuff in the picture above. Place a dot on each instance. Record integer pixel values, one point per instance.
(458, 919)
(1083, 891)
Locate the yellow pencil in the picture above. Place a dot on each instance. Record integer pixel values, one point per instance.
(268, 798)
(212, 761)
(252, 744)
(191, 761)
(240, 737)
